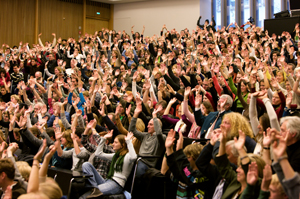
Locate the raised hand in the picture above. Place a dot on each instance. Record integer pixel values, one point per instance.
(109, 134)
(58, 133)
(239, 143)
(138, 108)
(170, 139)
(179, 144)
(252, 175)
(39, 154)
(102, 110)
(49, 155)
(91, 124)
(267, 139)
(215, 136)
(173, 100)
(198, 100)
(129, 136)
(128, 110)
(170, 89)
(157, 110)
(280, 149)
(267, 178)
(187, 92)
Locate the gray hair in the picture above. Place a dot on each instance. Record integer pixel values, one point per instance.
(234, 151)
(292, 124)
(229, 99)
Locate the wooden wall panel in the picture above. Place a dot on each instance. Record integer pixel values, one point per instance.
(62, 18)
(93, 25)
(93, 7)
(16, 21)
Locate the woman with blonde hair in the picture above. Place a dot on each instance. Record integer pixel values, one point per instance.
(237, 179)
(232, 123)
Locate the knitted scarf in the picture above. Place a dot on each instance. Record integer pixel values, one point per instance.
(116, 164)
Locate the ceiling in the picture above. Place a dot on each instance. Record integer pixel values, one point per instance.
(125, 1)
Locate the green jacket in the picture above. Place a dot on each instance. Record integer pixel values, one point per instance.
(234, 90)
(255, 192)
(229, 175)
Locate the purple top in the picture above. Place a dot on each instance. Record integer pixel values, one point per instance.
(174, 121)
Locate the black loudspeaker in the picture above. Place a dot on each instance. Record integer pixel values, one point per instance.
(294, 5)
(282, 14)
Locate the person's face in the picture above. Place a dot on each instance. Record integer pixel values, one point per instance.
(16, 136)
(151, 127)
(288, 86)
(191, 161)
(262, 86)
(37, 108)
(275, 193)
(248, 98)
(5, 117)
(205, 85)
(63, 141)
(238, 77)
(274, 56)
(199, 81)
(16, 69)
(13, 100)
(33, 62)
(225, 125)
(203, 109)
(3, 91)
(290, 68)
(230, 156)
(56, 109)
(284, 131)
(121, 108)
(237, 61)
(138, 79)
(241, 177)
(74, 82)
(275, 99)
(116, 145)
(51, 57)
(243, 87)
(122, 69)
(260, 127)
(56, 71)
(279, 77)
(2, 74)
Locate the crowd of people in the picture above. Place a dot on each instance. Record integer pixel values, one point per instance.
(94, 104)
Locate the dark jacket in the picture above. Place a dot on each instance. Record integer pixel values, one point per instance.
(206, 121)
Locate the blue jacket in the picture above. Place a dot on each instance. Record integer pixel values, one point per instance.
(52, 118)
(206, 121)
(80, 103)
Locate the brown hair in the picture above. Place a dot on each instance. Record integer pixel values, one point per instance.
(122, 141)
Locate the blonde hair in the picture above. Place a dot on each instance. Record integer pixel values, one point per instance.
(275, 181)
(52, 190)
(33, 195)
(140, 125)
(67, 136)
(238, 122)
(2, 135)
(193, 150)
(16, 98)
(24, 169)
(259, 161)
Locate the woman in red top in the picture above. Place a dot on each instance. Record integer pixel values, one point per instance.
(6, 76)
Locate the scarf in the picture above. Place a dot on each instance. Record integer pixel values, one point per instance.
(116, 164)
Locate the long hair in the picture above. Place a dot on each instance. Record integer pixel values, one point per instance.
(124, 148)
(67, 136)
(238, 122)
